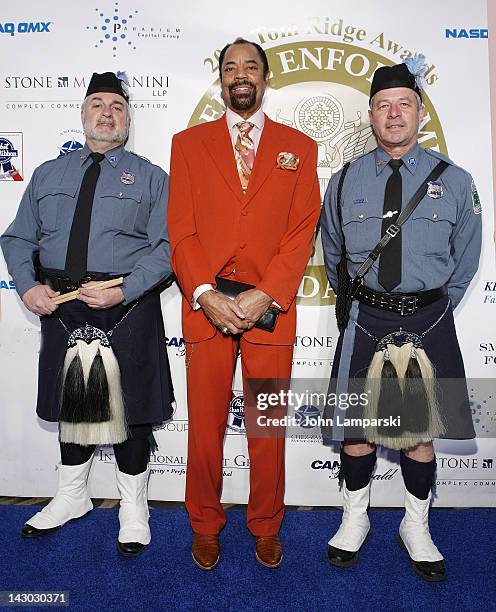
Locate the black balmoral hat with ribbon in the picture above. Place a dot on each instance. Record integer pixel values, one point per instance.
(408, 74)
(108, 82)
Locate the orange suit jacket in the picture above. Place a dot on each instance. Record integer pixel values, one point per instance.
(264, 236)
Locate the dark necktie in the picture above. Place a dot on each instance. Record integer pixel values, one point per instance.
(77, 248)
(390, 258)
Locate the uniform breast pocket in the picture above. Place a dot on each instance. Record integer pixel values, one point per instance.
(432, 223)
(121, 208)
(54, 204)
(362, 229)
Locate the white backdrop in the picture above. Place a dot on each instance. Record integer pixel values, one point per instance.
(321, 54)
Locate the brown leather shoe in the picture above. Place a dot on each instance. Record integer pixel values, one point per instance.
(205, 550)
(268, 551)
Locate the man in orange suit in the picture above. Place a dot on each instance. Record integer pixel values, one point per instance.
(244, 202)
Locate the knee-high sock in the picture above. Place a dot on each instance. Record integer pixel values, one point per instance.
(418, 475)
(132, 455)
(75, 454)
(357, 470)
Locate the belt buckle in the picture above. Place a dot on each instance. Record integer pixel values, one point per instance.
(408, 301)
(392, 230)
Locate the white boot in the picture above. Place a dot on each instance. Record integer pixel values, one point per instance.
(354, 529)
(70, 502)
(414, 537)
(134, 533)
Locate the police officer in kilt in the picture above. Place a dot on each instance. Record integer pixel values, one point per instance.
(400, 343)
(93, 216)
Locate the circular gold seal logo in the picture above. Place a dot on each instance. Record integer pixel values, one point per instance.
(322, 89)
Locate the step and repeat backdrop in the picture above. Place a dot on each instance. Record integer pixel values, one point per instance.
(322, 56)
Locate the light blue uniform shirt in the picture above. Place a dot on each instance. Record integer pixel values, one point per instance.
(441, 240)
(128, 232)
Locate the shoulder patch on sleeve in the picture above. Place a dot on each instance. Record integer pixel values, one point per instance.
(476, 203)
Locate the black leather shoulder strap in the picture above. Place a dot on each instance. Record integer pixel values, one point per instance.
(394, 228)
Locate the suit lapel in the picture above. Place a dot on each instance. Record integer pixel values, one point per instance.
(220, 149)
(265, 159)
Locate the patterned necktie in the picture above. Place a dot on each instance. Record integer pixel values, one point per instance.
(390, 258)
(77, 248)
(244, 151)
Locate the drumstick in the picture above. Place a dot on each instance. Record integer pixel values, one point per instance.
(72, 295)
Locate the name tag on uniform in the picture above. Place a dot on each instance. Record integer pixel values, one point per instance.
(435, 189)
(360, 201)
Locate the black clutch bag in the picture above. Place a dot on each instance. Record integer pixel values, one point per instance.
(231, 289)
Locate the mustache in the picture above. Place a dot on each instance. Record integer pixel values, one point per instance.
(241, 84)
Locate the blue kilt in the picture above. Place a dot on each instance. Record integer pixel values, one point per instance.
(139, 346)
(356, 348)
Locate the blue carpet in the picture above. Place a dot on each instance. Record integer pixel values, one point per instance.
(82, 559)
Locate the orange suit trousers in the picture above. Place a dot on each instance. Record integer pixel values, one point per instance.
(210, 368)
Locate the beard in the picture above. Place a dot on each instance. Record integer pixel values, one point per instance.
(115, 135)
(244, 101)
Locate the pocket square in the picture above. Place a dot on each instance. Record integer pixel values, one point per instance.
(287, 161)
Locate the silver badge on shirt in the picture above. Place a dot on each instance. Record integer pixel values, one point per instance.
(435, 189)
(127, 178)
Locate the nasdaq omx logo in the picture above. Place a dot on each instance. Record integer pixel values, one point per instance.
(25, 27)
(466, 33)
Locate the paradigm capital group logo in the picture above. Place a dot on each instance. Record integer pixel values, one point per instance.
(118, 28)
(11, 156)
(482, 404)
(320, 84)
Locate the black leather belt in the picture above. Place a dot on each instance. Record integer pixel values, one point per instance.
(403, 303)
(57, 280)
